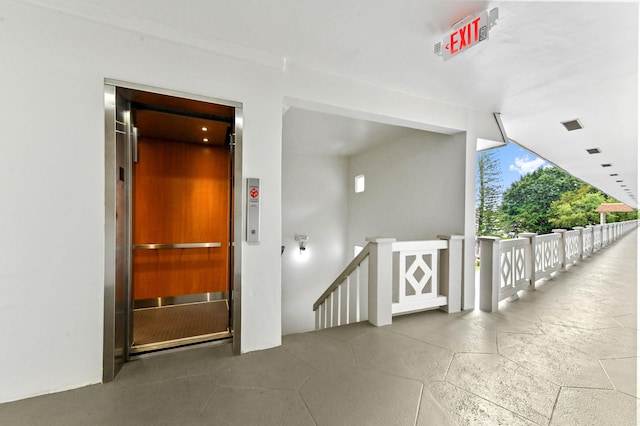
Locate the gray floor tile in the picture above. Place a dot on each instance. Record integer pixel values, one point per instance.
(595, 407)
(391, 353)
(254, 406)
(504, 383)
(498, 322)
(75, 407)
(319, 351)
(553, 359)
(628, 320)
(348, 332)
(623, 374)
(160, 403)
(449, 332)
(577, 318)
(272, 368)
(182, 363)
(615, 342)
(445, 404)
(357, 397)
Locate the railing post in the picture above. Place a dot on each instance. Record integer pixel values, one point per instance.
(489, 273)
(580, 241)
(451, 272)
(589, 230)
(530, 258)
(380, 281)
(562, 247)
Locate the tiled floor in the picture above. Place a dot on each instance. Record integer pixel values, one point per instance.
(562, 355)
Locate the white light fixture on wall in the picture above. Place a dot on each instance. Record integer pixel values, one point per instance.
(302, 241)
(303, 254)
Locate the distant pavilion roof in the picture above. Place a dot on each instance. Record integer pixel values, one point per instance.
(613, 208)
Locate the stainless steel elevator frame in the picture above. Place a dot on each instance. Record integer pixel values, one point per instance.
(111, 353)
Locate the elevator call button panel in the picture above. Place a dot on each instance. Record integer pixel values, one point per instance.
(253, 210)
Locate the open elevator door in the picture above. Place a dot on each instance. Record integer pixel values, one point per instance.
(181, 223)
(171, 268)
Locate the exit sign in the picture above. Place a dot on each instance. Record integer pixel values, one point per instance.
(466, 34)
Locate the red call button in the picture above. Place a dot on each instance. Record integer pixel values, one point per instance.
(253, 193)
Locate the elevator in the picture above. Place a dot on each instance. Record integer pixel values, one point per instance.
(171, 265)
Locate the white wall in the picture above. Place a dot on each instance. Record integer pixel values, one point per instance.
(414, 189)
(52, 221)
(314, 203)
(53, 66)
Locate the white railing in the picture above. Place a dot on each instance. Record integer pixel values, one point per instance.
(415, 284)
(507, 266)
(391, 278)
(547, 254)
(572, 249)
(508, 270)
(340, 303)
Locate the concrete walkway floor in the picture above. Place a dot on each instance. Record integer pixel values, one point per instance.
(565, 354)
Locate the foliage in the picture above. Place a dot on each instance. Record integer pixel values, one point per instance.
(577, 208)
(526, 202)
(488, 193)
(622, 216)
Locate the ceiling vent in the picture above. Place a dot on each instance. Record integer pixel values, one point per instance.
(613, 174)
(606, 165)
(572, 125)
(594, 151)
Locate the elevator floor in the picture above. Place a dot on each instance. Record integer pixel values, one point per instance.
(176, 325)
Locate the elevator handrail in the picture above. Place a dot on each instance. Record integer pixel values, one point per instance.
(175, 246)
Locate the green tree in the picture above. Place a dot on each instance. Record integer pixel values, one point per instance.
(622, 216)
(488, 193)
(525, 204)
(577, 208)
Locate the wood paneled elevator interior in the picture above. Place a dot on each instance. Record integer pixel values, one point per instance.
(180, 221)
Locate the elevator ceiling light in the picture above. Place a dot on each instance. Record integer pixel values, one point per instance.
(204, 129)
(205, 140)
(572, 125)
(594, 151)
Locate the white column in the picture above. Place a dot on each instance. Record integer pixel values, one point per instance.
(562, 248)
(380, 281)
(580, 241)
(489, 273)
(589, 230)
(451, 272)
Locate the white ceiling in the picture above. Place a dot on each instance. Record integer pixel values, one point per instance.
(544, 63)
(317, 133)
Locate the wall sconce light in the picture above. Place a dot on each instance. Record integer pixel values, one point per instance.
(302, 241)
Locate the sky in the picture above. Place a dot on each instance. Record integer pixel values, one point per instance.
(516, 162)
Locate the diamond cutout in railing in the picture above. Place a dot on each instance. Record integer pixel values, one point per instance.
(538, 258)
(419, 274)
(506, 269)
(418, 285)
(520, 263)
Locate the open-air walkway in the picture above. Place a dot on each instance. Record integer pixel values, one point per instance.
(564, 354)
